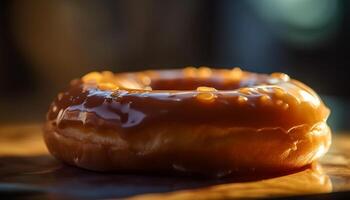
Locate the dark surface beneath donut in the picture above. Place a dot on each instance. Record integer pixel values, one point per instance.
(44, 177)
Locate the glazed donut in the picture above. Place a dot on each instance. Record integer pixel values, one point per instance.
(194, 120)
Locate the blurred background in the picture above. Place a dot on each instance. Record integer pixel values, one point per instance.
(46, 43)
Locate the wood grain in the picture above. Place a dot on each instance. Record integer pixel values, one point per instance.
(24, 160)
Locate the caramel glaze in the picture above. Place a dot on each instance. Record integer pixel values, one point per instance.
(128, 102)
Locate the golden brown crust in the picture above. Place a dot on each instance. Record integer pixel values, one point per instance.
(199, 150)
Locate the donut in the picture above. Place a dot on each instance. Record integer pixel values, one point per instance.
(191, 121)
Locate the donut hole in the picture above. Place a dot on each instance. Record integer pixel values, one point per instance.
(193, 84)
(176, 80)
(192, 78)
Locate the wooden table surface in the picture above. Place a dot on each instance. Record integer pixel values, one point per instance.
(27, 170)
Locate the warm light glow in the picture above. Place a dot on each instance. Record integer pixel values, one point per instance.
(309, 98)
(206, 94)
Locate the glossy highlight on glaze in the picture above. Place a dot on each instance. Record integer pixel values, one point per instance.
(220, 97)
